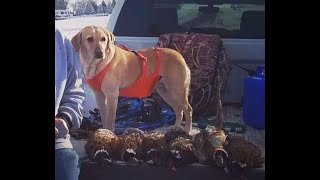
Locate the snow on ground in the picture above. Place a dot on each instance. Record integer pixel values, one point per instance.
(72, 25)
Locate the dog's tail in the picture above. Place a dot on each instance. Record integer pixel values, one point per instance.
(187, 81)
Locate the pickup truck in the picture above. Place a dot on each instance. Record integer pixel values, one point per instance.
(240, 24)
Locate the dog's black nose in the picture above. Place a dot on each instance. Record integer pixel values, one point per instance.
(98, 54)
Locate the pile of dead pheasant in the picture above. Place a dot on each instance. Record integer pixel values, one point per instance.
(174, 149)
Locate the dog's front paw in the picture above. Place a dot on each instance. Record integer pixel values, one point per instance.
(187, 129)
(176, 126)
(192, 131)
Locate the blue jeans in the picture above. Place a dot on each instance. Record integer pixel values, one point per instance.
(67, 166)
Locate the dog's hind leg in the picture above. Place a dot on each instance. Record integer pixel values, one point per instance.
(171, 98)
(187, 110)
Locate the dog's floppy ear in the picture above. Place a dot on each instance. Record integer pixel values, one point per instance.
(111, 38)
(76, 40)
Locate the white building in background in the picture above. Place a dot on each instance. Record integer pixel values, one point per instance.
(63, 14)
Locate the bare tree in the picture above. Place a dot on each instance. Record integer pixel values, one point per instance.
(61, 4)
(80, 7)
(95, 6)
(74, 7)
(113, 3)
(89, 8)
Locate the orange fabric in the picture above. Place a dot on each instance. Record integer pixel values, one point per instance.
(142, 87)
(96, 81)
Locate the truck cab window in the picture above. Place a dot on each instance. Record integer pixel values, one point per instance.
(243, 19)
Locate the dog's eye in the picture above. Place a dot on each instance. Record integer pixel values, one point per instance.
(90, 39)
(103, 39)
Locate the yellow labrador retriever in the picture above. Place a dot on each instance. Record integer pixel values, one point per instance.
(112, 71)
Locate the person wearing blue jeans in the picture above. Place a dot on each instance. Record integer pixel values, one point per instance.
(69, 95)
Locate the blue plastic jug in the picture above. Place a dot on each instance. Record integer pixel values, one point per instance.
(254, 99)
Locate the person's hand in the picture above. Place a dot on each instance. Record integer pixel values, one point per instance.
(61, 128)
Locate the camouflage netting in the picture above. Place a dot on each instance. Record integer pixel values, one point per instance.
(210, 68)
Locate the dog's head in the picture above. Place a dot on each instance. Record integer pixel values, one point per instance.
(94, 44)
